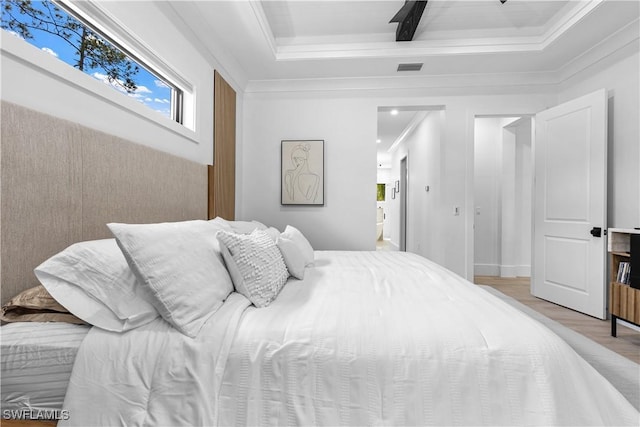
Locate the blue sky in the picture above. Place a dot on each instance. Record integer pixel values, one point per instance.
(151, 91)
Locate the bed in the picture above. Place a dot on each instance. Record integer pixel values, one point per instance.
(214, 322)
(365, 338)
(46, 207)
(36, 362)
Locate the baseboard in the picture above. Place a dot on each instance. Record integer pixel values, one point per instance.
(508, 271)
(486, 270)
(515, 271)
(502, 270)
(523, 271)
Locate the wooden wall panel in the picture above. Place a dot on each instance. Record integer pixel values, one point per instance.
(222, 181)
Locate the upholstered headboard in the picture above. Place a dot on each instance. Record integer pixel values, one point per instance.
(61, 183)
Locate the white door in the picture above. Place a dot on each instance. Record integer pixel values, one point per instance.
(570, 204)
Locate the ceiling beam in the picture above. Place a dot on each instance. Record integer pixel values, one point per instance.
(408, 18)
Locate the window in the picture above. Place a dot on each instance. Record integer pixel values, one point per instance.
(55, 30)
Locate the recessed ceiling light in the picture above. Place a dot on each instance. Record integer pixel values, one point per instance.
(378, 141)
(394, 112)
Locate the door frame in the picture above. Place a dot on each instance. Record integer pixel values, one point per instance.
(469, 210)
(531, 118)
(404, 200)
(470, 116)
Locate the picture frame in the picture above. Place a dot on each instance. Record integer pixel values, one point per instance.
(302, 172)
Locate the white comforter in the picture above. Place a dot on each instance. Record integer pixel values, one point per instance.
(367, 338)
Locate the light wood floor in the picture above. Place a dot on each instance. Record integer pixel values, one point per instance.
(627, 343)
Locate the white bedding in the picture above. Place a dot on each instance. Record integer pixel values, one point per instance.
(152, 375)
(36, 363)
(367, 338)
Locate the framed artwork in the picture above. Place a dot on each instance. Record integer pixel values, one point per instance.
(302, 165)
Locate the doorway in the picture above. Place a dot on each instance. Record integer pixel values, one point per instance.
(413, 132)
(396, 125)
(503, 181)
(568, 205)
(404, 191)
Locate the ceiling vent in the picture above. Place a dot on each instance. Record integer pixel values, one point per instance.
(410, 67)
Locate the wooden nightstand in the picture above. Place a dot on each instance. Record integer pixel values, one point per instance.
(624, 301)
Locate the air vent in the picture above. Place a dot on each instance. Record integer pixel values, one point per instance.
(410, 67)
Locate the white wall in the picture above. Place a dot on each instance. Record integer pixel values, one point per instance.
(487, 201)
(344, 116)
(622, 83)
(271, 116)
(347, 121)
(422, 148)
(348, 128)
(502, 199)
(524, 187)
(41, 82)
(517, 184)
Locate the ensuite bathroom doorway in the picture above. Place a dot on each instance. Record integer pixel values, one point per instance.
(409, 137)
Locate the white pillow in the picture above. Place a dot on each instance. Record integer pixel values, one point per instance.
(181, 266)
(221, 223)
(255, 264)
(296, 251)
(239, 227)
(94, 282)
(273, 232)
(293, 258)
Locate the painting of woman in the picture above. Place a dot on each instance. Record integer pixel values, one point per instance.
(301, 180)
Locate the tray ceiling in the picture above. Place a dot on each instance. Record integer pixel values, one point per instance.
(273, 40)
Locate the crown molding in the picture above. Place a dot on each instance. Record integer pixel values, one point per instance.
(384, 45)
(417, 49)
(619, 45)
(440, 83)
(622, 43)
(415, 121)
(569, 20)
(231, 70)
(263, 23)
